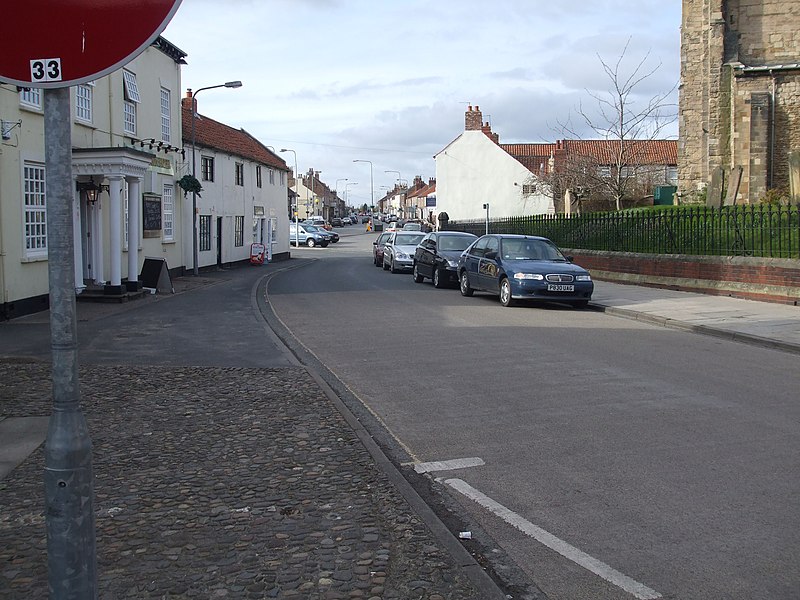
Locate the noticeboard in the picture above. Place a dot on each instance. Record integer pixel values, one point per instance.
(151, 215)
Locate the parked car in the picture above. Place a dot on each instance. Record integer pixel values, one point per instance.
(365, 219)
(319, 222)
(412, 226)
(337, 222)
(332, 236)
(436, 256)
(301, 234)
(520, 267)
(398, 251)
(377, 249)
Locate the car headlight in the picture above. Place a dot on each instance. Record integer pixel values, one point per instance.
(400, 255)
(452, 263)
(536, 276)
(583, 278)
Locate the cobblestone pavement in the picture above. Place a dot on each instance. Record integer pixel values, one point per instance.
(222, 483)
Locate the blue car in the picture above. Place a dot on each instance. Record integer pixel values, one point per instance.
(522, 267)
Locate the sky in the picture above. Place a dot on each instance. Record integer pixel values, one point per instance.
(389, 81)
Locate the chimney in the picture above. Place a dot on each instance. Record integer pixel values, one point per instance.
(473, 119)
(186, 102)
(487, 129)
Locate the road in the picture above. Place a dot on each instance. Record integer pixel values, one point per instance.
(624, 460)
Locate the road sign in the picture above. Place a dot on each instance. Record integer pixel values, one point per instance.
(53, 43)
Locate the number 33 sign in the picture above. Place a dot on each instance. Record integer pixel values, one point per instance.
(46, 69)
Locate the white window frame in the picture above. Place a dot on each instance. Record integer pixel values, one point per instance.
(166, 120)
(130, 117)
(31, 98)
(272, 176)
(130, 87)
(168, 212)
(34, 202)
(84, 102)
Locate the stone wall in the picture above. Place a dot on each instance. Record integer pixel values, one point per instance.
(723, 121)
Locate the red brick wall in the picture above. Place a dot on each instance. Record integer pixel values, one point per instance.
(766, 279)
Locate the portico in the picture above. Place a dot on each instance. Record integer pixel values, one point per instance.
(107, 224)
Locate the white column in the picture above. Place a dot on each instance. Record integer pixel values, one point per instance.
(134, 202)
(115, 229)
(95, 213)
(78, 238)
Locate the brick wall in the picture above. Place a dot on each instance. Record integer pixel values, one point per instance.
(765, 279)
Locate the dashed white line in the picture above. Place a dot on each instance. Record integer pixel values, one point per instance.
(597, 567)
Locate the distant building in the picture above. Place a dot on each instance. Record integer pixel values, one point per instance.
(739, 108)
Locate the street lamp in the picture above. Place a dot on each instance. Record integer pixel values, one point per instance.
(347, 185)
(399, 179)
(296, 196)
(371, 187)
(486, 208)
(336, 193)
(227, 84)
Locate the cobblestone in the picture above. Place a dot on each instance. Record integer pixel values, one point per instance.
(229, 483)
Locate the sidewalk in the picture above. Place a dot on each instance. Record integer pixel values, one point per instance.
(224, 469)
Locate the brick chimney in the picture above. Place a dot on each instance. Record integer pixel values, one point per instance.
(487, 129)
(473, 119)
(186, 101)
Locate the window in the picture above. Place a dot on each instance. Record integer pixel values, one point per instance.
(272, 176)
(283, 178)
(238, 232)
(207, 168)
(528, 188)
(130, 117)
(35, 210)
(205, 233)
(258, 175)
(31, 97)
(165, 115)
(604, 172)
(130, 92)
(672, 175)
(83, 102)
(239, 174)
(168, 208)
(627, 171)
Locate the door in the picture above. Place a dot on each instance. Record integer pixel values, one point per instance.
(488, 269)
(472, 261)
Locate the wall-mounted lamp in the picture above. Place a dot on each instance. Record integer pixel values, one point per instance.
(91, 189)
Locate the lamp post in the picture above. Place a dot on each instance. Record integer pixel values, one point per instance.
(336, 193)
(347, 185)
(399, 179)
(486, 208)
(371, 186)
(296, 197)
(227, 84)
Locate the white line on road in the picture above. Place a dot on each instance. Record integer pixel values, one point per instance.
(597, 567)
(448, 465)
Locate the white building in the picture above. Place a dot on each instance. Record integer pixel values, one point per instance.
(244, 197)
(474, 170)
(126, 138)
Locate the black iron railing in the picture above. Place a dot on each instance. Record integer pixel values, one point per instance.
(770, 231)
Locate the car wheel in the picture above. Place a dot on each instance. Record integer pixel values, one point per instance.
(580, 304)
(505, 292)
(417, 277)
(392, 269)
(310, 242)
(437, 279)
(463, 285)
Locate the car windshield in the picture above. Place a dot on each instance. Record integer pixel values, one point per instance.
(408, 239)
(527, 249)
(312, 228)
(455, 243)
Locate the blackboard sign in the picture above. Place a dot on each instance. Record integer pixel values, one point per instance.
(155, 275)
(151, 211)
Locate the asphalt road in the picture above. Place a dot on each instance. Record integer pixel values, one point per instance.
(614, 459)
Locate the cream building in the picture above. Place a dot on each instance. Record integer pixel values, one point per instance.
(126, 139)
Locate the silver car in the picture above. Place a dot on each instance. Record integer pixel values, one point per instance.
(398, 252)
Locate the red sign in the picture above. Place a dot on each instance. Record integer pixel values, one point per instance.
(59, 43)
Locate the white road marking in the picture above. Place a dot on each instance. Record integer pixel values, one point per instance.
(448, 465)
(597, 567)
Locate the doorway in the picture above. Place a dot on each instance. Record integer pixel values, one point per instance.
(219, 241)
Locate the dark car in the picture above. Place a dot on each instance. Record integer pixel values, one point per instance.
(337, 222)
(436, 257)
(331, 236)
(521, 267)
(377, 249)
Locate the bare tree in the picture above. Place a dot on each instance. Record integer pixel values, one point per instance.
(623, 121)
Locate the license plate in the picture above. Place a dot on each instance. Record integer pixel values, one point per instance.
(560, 287)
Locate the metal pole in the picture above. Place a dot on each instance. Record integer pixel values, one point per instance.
(68, 478)
(195, 270)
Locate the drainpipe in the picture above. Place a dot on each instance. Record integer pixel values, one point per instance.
(773, 113)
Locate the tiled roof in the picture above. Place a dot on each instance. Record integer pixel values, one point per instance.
(533, 157)
(639, 152)
(216, 135)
